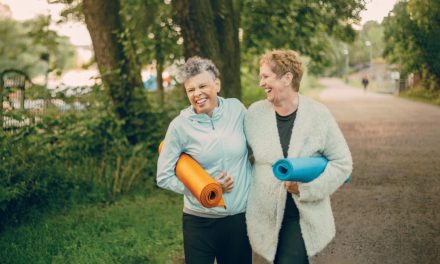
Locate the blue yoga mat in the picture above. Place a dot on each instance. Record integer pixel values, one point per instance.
(304, 169)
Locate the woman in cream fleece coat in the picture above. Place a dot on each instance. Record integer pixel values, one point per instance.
(288, 221)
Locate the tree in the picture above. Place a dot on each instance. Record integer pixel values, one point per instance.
(18, 36)
(411, 38)
(426, 14)
(303, 25)
(118, 65)
(156, 38)
(210, 29)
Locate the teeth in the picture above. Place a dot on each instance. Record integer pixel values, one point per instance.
(201, 101)
(267, 90)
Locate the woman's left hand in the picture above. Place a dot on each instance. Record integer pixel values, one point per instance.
(291, 187)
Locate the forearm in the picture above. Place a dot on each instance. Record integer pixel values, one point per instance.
(338, 169)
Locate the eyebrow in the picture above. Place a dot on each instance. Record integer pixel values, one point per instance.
(191, 87)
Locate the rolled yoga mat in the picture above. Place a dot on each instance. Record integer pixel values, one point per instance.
(304, 169)
(206, 190)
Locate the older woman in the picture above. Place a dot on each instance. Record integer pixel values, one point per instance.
(290, 221)
(211, 131)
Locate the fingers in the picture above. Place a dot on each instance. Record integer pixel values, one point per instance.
(225, 181)
(228, 184)
(291, 187)
(220, 176)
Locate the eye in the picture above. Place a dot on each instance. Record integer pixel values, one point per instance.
(190, 90)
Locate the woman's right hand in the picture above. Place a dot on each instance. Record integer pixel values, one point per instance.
(225, 181)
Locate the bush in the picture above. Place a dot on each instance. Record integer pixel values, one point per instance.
(75, 156)
(30, 176)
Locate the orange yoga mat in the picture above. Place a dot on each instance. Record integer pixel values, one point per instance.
(207, 191)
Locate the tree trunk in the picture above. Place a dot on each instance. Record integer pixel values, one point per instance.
(159, 66)
(210, 30)
(118, 67)
(159, 81)
(1, 101)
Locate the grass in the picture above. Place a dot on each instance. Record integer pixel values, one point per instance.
(422, 95)
(136, 229)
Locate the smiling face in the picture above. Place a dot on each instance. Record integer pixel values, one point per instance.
(202, 90)
(276, 88)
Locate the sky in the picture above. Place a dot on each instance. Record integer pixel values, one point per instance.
(28, 9)
(377, 10)
(78, 34)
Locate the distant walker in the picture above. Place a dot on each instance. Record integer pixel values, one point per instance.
(365, 82)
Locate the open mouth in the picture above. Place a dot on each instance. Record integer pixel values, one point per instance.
(201, 101)
(267, 90)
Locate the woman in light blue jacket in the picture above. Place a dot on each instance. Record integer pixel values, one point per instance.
(211, 131)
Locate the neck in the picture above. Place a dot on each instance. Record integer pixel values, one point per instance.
(288, 106)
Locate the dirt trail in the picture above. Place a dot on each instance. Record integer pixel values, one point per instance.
(390, 211)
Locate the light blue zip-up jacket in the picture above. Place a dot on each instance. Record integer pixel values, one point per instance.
(218, 144)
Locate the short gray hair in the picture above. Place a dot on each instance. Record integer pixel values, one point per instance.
(196, 65)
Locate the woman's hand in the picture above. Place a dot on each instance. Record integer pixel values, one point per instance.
(225, 181)
(291, 187)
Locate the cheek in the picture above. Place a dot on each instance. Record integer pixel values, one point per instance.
(190, 98)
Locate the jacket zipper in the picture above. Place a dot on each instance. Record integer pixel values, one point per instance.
(223, 154)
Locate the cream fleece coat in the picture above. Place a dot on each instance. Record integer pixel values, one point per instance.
(315, 132)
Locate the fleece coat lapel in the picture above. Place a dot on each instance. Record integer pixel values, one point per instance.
(300, 128)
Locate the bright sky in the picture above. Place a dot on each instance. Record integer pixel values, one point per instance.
(377, 10)
(27, 9)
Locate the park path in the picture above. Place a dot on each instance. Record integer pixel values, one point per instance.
(390, 211)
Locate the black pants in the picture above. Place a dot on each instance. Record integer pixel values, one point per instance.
(224, 239)
(291, 248)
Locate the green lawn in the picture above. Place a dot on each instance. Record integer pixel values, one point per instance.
(135, 229)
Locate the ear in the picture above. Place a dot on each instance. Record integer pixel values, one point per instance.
(218, 85)
(287, 78)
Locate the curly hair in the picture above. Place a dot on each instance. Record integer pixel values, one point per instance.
(282, 62)
(196, 65)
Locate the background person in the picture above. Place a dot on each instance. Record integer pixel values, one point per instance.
(365, 82)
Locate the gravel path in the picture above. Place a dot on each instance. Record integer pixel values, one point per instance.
(390, 211)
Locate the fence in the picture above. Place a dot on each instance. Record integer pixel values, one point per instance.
(17, 110)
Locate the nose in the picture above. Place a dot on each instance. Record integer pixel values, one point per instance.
(262, 83)
(197, 92)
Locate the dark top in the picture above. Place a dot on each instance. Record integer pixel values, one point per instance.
(285, 126)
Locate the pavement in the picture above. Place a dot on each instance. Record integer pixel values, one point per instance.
(390, 211)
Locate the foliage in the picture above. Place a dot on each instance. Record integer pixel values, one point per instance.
(75, 156)
(411, 37)
(421, 94)
(425, 13)
(155, 37)
(304, 26)
(368, 39)
(16, 39)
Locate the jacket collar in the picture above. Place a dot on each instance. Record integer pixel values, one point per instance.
(300, 128)
(216, 114)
